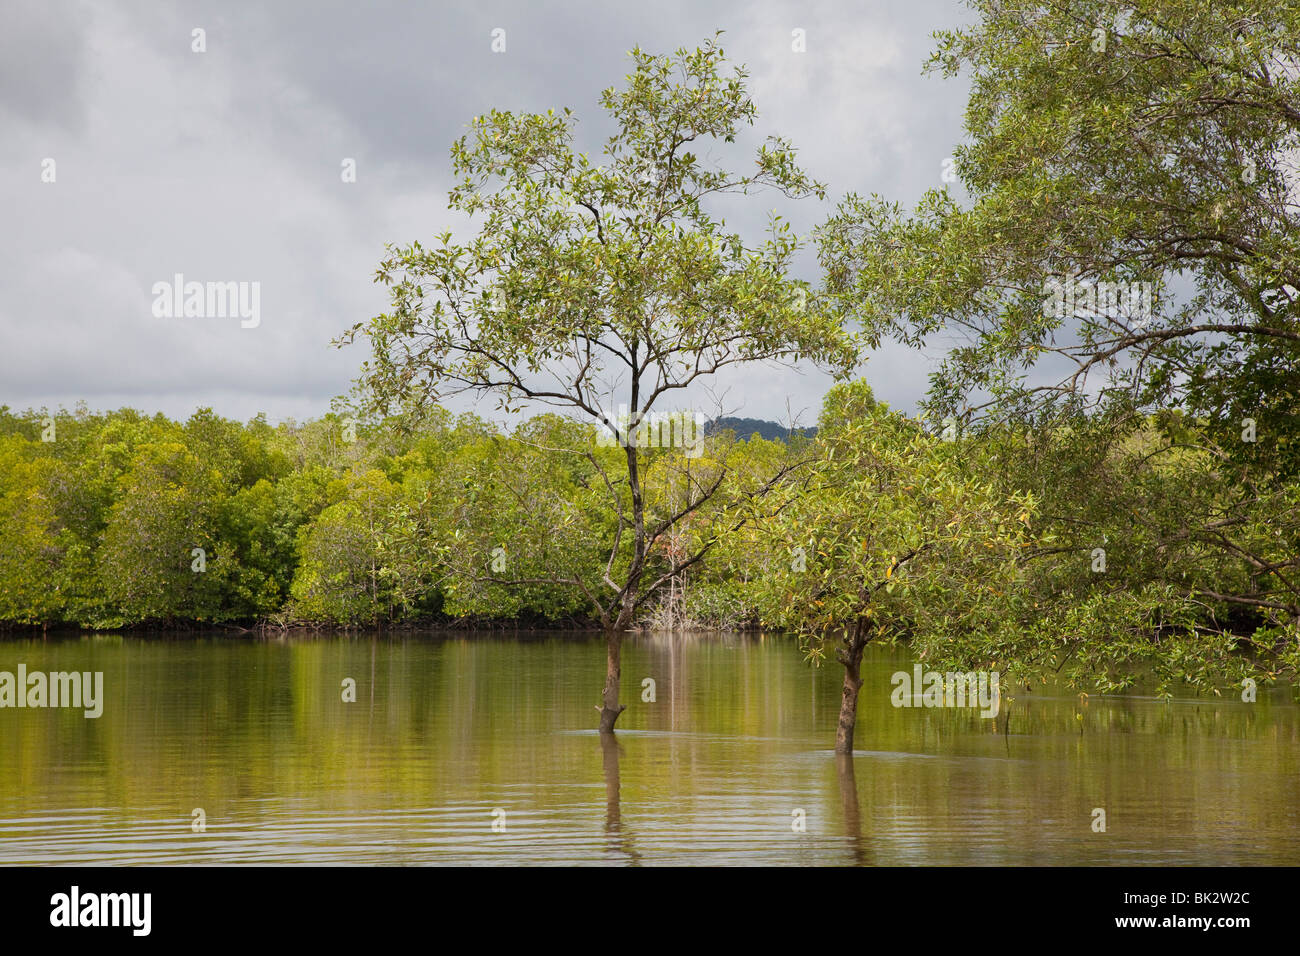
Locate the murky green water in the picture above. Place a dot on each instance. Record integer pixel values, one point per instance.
(445, 731)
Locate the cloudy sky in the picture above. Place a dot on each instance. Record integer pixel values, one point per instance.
(225, 165)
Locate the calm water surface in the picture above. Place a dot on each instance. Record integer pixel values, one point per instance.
(445, 731)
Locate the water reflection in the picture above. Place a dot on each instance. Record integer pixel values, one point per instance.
(852, 809)
(444, 730)
(620, 840)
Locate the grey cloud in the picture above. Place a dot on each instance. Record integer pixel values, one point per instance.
(225, 166)
(43, 64)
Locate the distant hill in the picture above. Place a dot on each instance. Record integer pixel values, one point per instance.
(745, 427)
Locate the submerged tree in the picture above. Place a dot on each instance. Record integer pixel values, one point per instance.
(589, 283)
(892, 533)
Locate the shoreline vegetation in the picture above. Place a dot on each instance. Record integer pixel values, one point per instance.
(263, 628)
(124, 523)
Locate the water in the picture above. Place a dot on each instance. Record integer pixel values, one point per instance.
(446, 730)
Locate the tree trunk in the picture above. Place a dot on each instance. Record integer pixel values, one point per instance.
(851, 658)
(610, 708)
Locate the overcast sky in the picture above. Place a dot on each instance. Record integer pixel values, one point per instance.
(225, 166)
